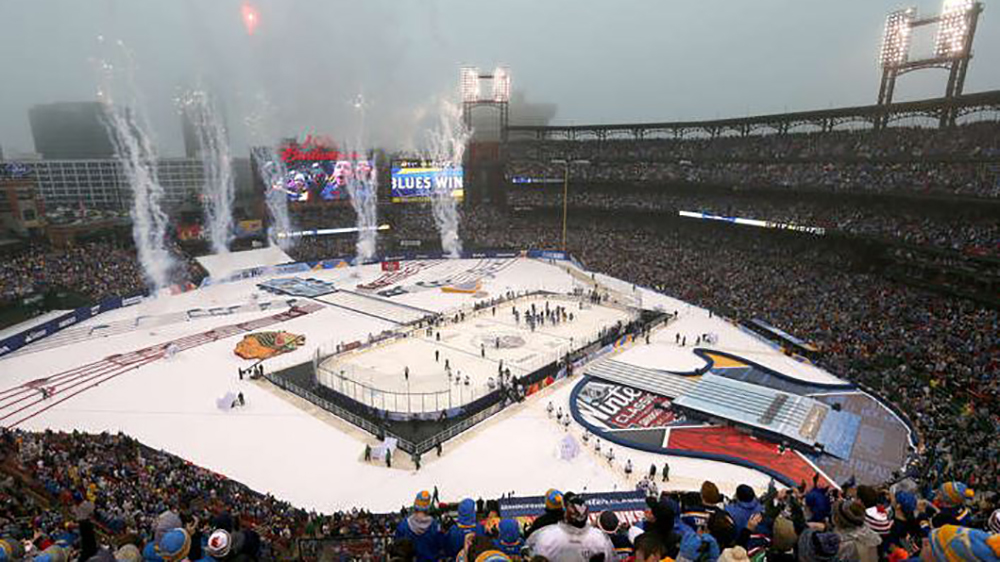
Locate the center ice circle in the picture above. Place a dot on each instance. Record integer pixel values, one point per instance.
(502, 341)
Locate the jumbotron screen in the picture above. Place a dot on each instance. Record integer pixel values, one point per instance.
(416, 180)
(324, 180)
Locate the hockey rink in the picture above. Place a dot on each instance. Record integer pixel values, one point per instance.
(282, 445)
(458, 361)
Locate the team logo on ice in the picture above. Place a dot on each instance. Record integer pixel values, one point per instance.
(263, 345)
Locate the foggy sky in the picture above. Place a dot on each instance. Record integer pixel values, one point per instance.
(599, 61)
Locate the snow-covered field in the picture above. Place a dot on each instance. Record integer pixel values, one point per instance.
(282, 445)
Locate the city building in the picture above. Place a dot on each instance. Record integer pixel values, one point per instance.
(22, 211)
(70, 130)
(101, 184)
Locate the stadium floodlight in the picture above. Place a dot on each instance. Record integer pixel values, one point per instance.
(896, 40)
(501, 84)
(953, 29)
(470, 84)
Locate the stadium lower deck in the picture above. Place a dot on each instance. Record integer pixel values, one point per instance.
(119, 372)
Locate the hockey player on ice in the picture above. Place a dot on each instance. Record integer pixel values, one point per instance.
(548, 409)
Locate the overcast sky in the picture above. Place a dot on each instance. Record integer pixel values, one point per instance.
(599, 61)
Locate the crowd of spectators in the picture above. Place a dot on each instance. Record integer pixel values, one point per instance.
(967, 142)
(964, 232)
(96, 270)
(964, 161)
(935, 356)
(75, 490)
(108, 498)
(969, 179)
(896, 521)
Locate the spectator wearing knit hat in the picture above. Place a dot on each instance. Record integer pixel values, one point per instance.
(174, 545)
(696, 513)
(907, 523)
(950, 500)
(466, 524)
(878, 516)
(609, 523)
(509, 540)
(857, 541)
(952, 543)
(422, 530)
(218, 546)
(783, 541)
(993, 522)
(553, 512)
(573, 538)
(814, 546)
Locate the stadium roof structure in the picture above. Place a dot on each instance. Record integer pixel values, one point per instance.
(780, 123)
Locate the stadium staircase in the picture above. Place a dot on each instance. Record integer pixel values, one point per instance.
(376, 307)
(651, 380)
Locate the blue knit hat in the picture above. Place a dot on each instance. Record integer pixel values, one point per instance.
(553, 499)
(423, 501)
(466, 513)
(510, 532)
(174, 545)
(906, 501)
(951, 543)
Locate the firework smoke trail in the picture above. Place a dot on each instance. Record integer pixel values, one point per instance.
(362, 188)
(128, 130)
(218, 189)
(272, 171)
(447, 143)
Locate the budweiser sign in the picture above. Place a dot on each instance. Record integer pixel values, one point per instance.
(313, 149)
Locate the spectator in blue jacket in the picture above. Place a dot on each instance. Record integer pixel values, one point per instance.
(744, 507)
(422, 530)
(465, 525)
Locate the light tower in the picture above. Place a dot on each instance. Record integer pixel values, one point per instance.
(499, 98)
(485, 157)
(956, 28)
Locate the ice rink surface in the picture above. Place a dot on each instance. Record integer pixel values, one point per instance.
(475, 348)
(281, 445)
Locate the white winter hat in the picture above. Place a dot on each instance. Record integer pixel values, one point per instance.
(219, 543)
